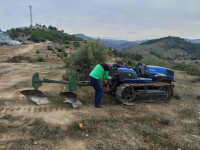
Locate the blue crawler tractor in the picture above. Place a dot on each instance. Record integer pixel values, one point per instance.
(141, 83)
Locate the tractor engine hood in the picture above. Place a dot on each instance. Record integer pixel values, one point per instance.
(160, 71)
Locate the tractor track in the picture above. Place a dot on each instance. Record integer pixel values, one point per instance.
(21, 110)
(136, 85)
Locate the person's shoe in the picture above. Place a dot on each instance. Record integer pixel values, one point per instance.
(99, 106)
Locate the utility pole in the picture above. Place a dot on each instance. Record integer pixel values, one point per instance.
(31, 15)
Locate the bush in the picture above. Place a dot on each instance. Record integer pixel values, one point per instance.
(49, 47)
(40, 59)
(37, 51)
(43, 40)
(191, 69)
(51, 35)
(155, 62)
(70, 72)
(13, 33)
(66, 42)
(89, 55)
(129, 62)
(59, 49)
(35, 38)
(76, 44)
(130, 56)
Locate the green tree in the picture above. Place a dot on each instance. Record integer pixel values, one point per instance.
(89, 55)
(35, 37)
(52, 28)
(76, 44)
(13, 33)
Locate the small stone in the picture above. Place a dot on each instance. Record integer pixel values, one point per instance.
(178, 149)
(86, 135)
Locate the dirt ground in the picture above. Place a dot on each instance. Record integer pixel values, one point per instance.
(113, 127)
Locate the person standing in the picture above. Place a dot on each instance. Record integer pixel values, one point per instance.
(99, 72)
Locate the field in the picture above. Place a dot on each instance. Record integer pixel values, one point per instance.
(174, 125)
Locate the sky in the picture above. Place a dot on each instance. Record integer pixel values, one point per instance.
(116, 19)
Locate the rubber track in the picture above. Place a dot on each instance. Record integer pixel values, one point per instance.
(121, 87)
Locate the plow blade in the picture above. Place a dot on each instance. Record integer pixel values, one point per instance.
(35, 96)
(72, 98)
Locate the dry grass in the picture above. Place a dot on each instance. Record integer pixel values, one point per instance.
(156, 126)
(34, 134)
(163, 126)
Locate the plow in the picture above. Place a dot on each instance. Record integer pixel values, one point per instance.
(39, 98)
(130, 85)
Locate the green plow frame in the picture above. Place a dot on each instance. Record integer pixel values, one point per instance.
(38, 97)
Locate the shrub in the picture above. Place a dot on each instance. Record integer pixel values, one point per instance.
(70, 72)
(191, 69)
(89, 55)
(76, 44)
(49, 47)
(129, 62)
(34, 37)
(64, 54)
(40, 59)
(37, 51)
(13, 33)
(43, 40)
(155, 61)
(59, 49)
(66, 42)
(125, 56)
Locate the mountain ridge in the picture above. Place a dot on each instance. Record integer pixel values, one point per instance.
(124, 44)
(112, 43)
(167, 48)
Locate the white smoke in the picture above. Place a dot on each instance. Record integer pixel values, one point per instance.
(6, 39)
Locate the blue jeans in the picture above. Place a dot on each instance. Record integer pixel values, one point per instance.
(98, 90)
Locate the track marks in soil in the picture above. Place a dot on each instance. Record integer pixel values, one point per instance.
(28, 109)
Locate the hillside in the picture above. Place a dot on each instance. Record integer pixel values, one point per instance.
(112, 43)
(168, 48)
(37, 44)
(41, 34)
(196, 41)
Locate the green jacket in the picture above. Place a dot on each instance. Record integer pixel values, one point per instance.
(99, 73)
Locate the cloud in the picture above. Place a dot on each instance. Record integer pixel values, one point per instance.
(128, 19)
(132, 32)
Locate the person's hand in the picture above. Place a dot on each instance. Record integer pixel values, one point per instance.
(110, 77)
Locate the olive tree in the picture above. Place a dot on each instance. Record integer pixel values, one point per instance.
(84, 60)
